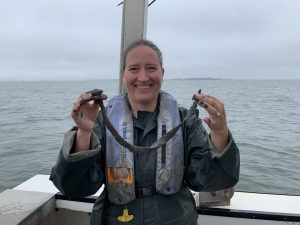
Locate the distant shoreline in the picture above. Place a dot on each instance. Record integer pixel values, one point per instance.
(166, 79)
(189, 78)
(196, 78)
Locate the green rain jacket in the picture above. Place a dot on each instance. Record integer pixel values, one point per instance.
(82, 174)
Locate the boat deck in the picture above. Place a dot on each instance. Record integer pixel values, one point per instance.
(38, 198)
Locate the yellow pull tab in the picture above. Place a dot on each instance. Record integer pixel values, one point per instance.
(125, 217)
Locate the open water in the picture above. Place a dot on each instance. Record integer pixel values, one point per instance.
(263, 115)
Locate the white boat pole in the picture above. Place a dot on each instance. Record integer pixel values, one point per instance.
(134, 27)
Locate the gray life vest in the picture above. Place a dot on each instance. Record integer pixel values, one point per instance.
(120, 161)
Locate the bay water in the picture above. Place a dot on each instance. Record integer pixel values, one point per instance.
(263, 116)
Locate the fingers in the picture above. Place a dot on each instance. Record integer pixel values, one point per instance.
(216, 119)
(86, 97)
(213, 105)
(85, 110)
(83, 97)
(212, 111)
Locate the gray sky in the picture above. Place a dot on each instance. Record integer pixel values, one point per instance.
(80, 39)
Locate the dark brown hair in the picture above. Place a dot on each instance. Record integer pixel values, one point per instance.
(144, 42)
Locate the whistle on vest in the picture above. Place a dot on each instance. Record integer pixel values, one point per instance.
(125, 217)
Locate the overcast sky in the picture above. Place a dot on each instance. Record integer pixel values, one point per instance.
(80, 39)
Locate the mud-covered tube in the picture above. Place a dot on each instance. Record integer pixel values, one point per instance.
(97, 96)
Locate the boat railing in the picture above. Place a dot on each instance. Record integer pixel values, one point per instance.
(38, 202)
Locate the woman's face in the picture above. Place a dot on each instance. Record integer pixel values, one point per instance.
(143, 77)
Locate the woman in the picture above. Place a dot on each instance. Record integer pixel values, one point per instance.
(152, 187)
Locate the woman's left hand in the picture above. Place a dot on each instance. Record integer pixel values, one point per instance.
(216, 119)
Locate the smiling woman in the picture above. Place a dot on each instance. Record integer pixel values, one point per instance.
(143, 75)
(226, 39)
(139, 181)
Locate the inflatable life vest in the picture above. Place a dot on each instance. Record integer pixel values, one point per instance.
(120, 161)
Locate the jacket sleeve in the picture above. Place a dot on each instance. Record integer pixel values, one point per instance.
(79, 174)
(204, 169)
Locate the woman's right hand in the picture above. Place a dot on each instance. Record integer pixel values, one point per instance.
(85, 112)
